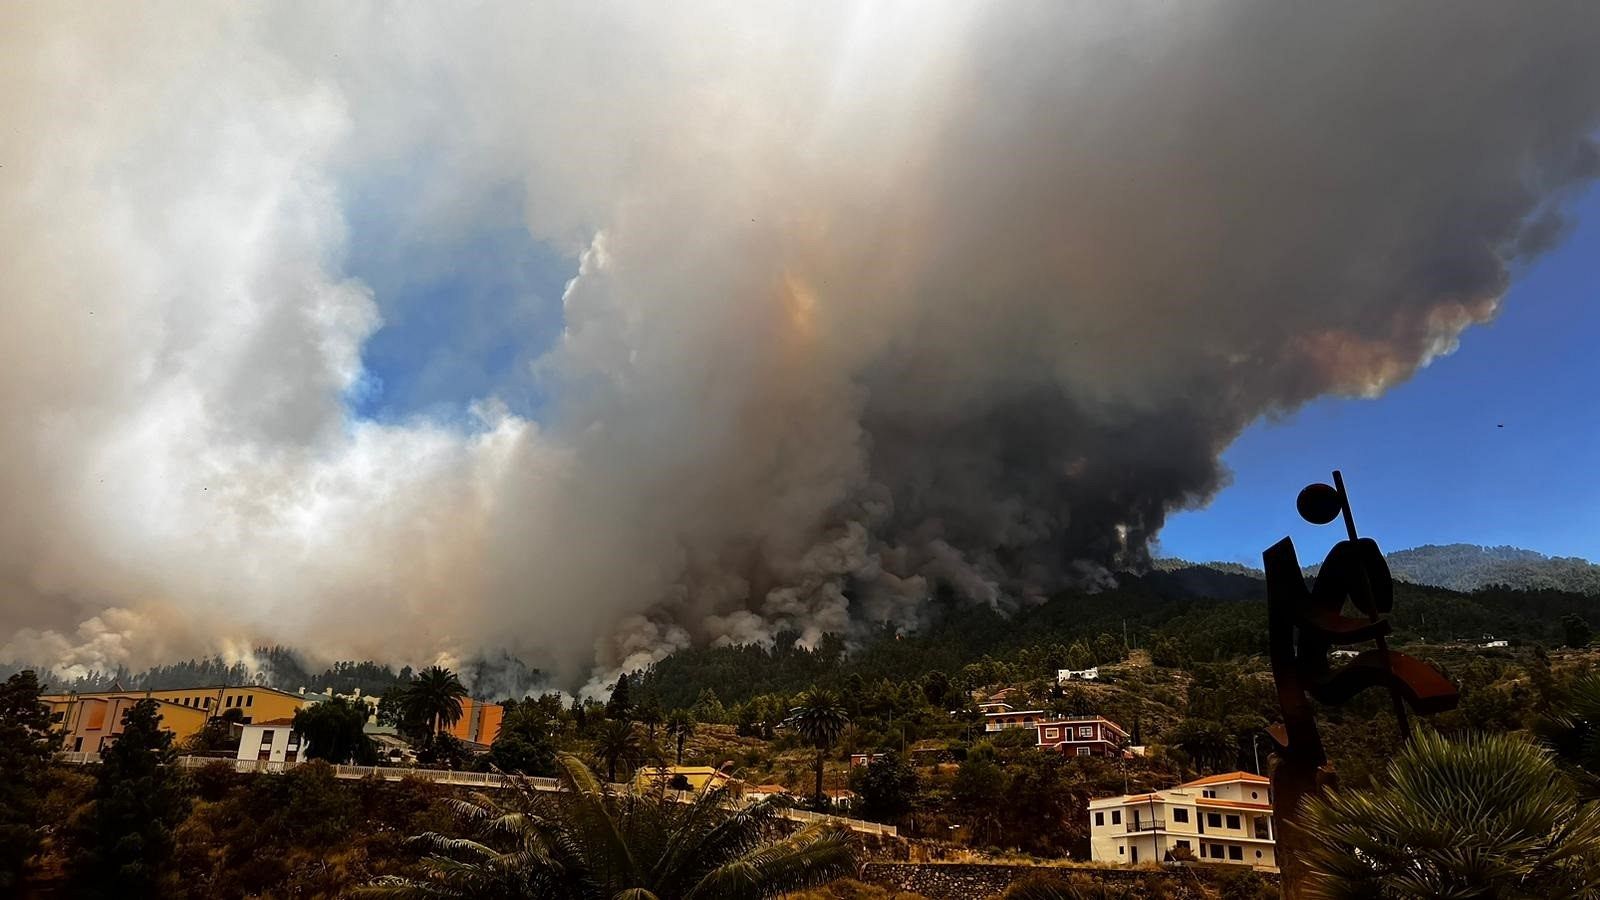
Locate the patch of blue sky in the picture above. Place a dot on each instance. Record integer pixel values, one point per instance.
(469, 299)
(1498, 443)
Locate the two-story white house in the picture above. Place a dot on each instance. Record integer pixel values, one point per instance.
(1219, 819)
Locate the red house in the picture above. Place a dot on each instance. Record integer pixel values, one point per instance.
(1083, 736)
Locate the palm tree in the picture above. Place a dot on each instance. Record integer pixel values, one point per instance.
(650, 715)
(590, 844)
(434, 696)
(614, 743)
(820, 719)
(680, 725)
(1487, 816)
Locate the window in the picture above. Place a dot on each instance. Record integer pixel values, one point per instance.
(1263, 829)
(1214, 820)
(208, 703)
(250, 700)
(1180, 814)
(58, 717)
(1099, 819)
(1254, 795)
(1216, 851)
(1208, 793)
(1085, 731)
(1233, 822)
(1083, 751)
(1116, 817)
(1051, 732)
(1121, 850)
(1185, 845)
(1258, 854)
(1236, 853)
(77, 745)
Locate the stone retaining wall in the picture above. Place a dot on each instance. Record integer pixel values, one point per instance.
(976, 881)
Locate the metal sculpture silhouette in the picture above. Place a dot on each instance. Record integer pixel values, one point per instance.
(1303, 625)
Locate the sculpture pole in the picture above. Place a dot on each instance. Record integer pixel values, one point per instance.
(1302, 626)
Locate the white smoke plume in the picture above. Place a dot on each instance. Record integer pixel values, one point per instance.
(868, 302)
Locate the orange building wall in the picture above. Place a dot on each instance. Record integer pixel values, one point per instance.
(479, 722)
(87, 722)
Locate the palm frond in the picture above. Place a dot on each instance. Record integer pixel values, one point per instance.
(810, 857)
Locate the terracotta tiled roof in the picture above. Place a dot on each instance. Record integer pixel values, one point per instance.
(1228, 778)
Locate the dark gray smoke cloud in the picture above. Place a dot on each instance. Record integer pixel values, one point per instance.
(870, 301)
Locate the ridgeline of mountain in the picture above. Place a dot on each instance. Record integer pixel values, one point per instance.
(1459, 567)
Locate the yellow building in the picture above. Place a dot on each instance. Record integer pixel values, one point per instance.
(90, 717)
(1217, 819)
(679, 778)
(89, 721)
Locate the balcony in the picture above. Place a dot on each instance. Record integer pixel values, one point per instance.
(1147, 825)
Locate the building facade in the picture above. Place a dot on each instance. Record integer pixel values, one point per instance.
(90, 722)
(1083, 736)
(1224, 819)
(253, 702)
(479, 722)
(1003, 719)
(274, 740)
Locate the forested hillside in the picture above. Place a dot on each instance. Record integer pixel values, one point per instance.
(1459, 567)
(1464, 567)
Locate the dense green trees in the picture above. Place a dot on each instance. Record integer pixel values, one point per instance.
(25, 748)
(334, 731)
(1487, 816)
(138, 801)
(620, 704)
(820, 719)
(525, 742)
(593, 845)
(887, 786)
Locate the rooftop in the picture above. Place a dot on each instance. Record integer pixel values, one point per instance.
(1228, 778)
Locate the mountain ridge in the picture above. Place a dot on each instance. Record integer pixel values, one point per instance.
(1458, 567)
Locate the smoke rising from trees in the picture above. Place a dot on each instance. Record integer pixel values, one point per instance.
(867, 303)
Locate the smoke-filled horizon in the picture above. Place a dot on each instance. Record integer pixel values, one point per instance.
(866, 304)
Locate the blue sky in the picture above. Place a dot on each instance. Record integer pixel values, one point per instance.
(467, 311)
(1428, 462)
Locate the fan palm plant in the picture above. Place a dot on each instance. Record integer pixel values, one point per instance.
(588, 843)
(821, 719)
(1572, 730)
(1487, 816)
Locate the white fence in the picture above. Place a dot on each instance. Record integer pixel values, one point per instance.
(491, 780)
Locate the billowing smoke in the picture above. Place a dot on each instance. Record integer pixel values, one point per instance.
(866, 303)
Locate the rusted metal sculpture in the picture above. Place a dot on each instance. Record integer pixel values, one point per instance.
(1303, 625)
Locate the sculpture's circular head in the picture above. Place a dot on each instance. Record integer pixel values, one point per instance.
(1319, 503)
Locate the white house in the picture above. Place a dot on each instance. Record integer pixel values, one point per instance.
(1065, 675)
(1219, 819)
(274, 740)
